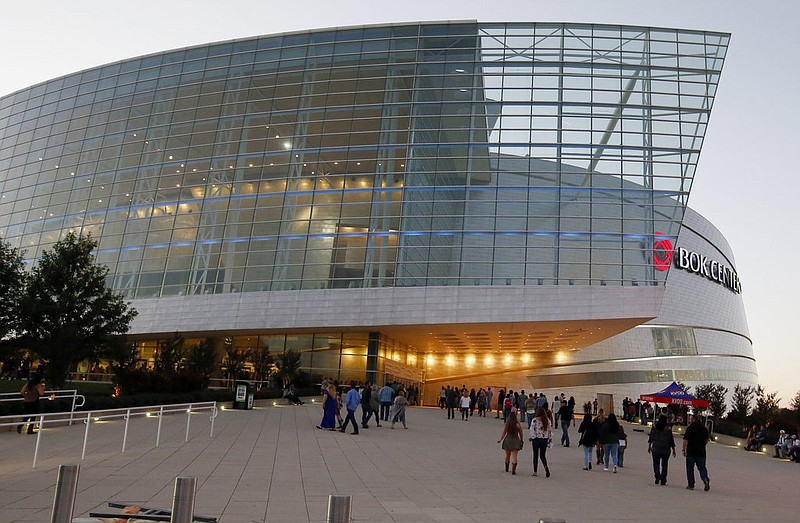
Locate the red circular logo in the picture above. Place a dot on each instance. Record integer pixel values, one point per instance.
(662, 253)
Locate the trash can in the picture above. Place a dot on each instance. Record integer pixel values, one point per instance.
(243, 398)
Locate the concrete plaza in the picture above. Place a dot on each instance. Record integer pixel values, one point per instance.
(272, 465)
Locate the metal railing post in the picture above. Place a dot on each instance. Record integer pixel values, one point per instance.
(66, 488)
(183, 501)
(188, 421)
(125, 435)
(72, 411)
(213, 415)
(158, 432)
(38, 439)
(86, 434)
(339, 509)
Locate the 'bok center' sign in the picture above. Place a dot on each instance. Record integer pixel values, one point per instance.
(711, 269)
(664, 255)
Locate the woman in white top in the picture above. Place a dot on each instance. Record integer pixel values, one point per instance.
(541, 436)
(464, 402)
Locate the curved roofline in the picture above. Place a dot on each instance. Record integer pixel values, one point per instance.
(362, 26)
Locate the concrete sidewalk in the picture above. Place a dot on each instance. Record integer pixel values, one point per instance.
(271, 464)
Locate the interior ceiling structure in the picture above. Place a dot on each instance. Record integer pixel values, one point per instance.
(505, 337)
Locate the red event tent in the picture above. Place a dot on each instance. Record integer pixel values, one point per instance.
(674, 395)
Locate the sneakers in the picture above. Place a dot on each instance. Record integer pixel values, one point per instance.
(547, 472)
(586, 468)
(707, 485)
(689, 487)
(590, 465)
(615, 469)
(605, 468)
(658, 481)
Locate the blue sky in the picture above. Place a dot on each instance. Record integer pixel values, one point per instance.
(745, 181)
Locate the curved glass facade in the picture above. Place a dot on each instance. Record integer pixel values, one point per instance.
(407, 155)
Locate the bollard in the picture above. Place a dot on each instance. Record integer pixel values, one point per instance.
(183, 501)
(339, 509)
(66, 488)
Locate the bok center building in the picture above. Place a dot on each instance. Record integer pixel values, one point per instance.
(489, 204)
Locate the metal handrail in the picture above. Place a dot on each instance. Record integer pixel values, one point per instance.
(51, 395)
(157, 411)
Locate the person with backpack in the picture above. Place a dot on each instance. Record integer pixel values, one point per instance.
(508, 404)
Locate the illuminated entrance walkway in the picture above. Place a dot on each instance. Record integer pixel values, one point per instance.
(271, 464)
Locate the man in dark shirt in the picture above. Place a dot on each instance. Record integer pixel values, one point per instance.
(366, 408)
(452, 400)
(565, 415)
(694, 449)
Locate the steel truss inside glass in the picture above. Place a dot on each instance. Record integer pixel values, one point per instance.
(404, 155)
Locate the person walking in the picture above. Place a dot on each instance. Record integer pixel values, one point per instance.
(385, 396)
(512, 441)
(565, 414)
(623, 444)
(609, 437)
(452, 401)
(473, 396)
(464, 403)
(541, 437)
(489, 396)
(31, 392)
(399, 409)
(659, 444)
(366, 405)
(588, 431)
(375, 404)
(694, 450)
(598, 421)
(328, 409)
(508, 404)
(501, 397)
(520, 405)
(481, 402)
(352, 401)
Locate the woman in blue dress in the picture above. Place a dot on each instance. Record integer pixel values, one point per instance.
(329, 407)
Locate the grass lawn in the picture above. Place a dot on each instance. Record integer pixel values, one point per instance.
(83, 387)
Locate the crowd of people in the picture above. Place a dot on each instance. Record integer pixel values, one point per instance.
(385, 403)
(534, 418)
(602, 437)
(787, 447)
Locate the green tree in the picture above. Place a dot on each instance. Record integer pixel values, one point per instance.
(12, 285)
(235, 360)
(766, 406)
(200, 358)
(715, 395)
(169, 354)
(69, 314)
(742, 398)
(263, 363)
(794, 403)
(289, 365)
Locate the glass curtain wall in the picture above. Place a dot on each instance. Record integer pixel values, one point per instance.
(408, 155)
